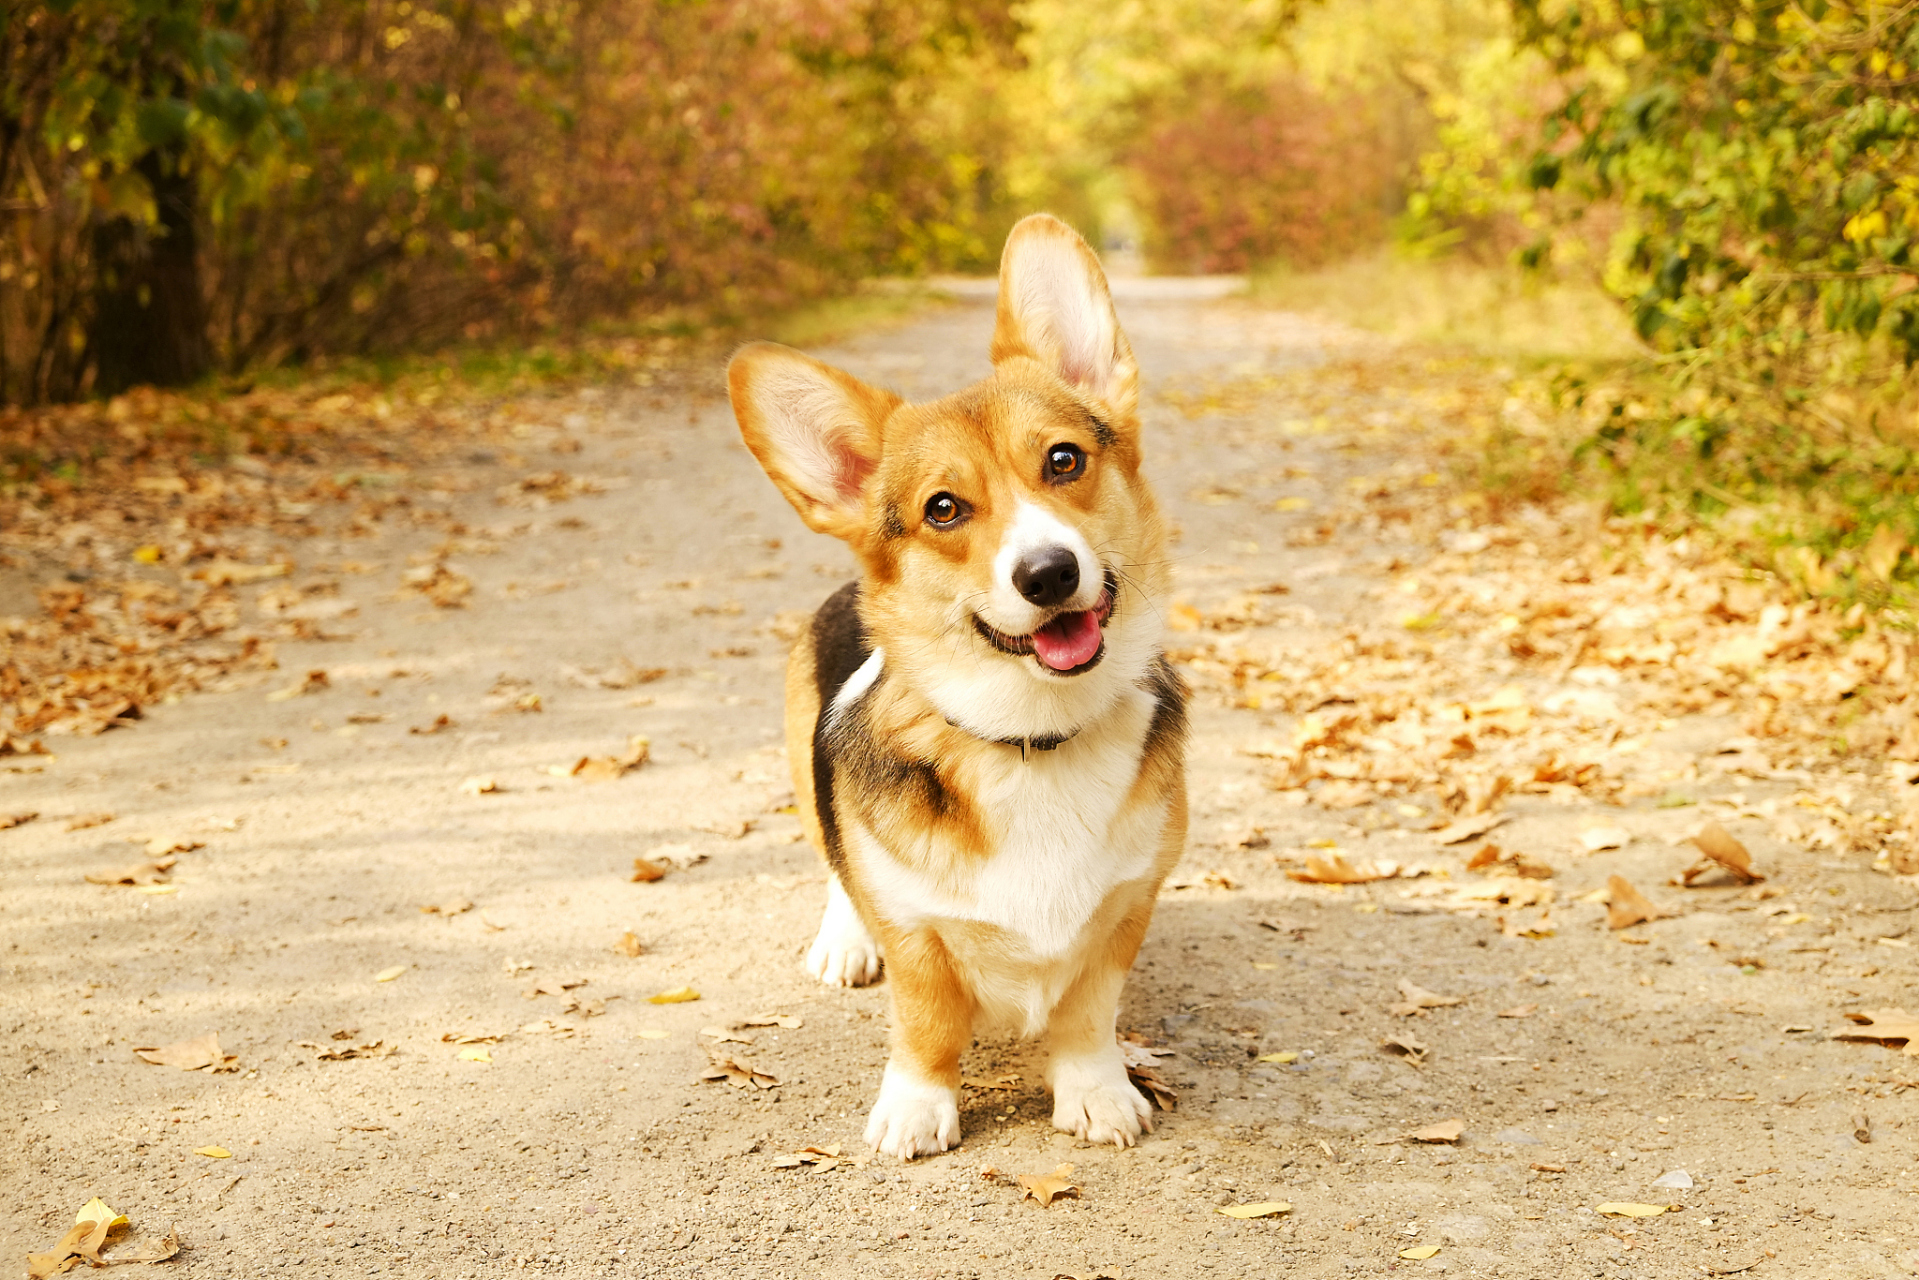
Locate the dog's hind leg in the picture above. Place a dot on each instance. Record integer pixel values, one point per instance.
(844, 953)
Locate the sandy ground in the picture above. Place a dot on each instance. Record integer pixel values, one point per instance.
(589, 1144)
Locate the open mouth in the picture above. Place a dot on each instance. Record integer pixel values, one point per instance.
(1069, 643)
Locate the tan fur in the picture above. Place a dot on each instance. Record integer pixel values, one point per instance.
(860, 464)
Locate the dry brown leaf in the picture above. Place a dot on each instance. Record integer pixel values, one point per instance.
(629, 945)
(788, 1021)
(1048, 1187)
(1518, 1011)
(481, 785)
(1142, 1068)
(82, 821)
(1469, 828)
(740, 1074)
(160, 846)
(1723, 853)
(455, 1038)
(441, 724)
(10, 820)
(153, 872)
(1005, 1084)
(346, 1052)
(1883, 1025)
(725, 1035)
(202, 1053)
(314, 681)
(1334, 869)
(1407, 1046)
(1491, 859)
(1417, 1000)
(548, 1027)
(552, 987)
(607, 768)
(458, 906)
(446, 587)
(1626, 906)
(1444, 1131)
(1598, 838)
(646, 871)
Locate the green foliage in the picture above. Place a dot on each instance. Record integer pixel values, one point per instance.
(372, 175)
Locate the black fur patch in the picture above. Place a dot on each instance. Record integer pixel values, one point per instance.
(1106, 436)
(1168, 728)
(895, 527)
(840, 647)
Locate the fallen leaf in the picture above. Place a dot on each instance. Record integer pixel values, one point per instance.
(1281, 1058)
(1004, 1084)
(1723, 853)
(678, 995)
(314, 681)
(81, 1243)
(1142, 1068)
(202, 1053)
(454, 1037)
(440, 724)
(1413, 1051)
(1469, 828)
(1334, 869)
(1626, 906)
(1491, 859)
(213, 1153)
(1418, 999)
(1624, 1209)
(822, 1156)
(446, 587)
(724, 1036)
(1518, 1011)
(347, 1052)
(139, 873)
(80, 822)
(552, 987)
(1266, 1209)
(646, 871)
(1598, 838)
(548, 1027)
(675, 857)
(222, 572)
(1444, 1131)
(9, 820)
(787, 1020)
(1733, 1268)
(475, 1053)
(629, 945)
(1420, 1252)
(607, 768)
(1884, 1025)
(742, 1074)
(480, 785)
(1048, 1187)
(457, 906)
(1540, 1166)
(1676, 1180)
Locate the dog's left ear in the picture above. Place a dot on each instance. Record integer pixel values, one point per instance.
(1054, 307)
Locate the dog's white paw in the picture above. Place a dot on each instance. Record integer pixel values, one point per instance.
(844, 953)
(913, 1117)
(1093, 1099)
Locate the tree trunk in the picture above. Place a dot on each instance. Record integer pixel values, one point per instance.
(149, 319)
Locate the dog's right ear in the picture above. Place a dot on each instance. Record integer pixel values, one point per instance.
(814, 429)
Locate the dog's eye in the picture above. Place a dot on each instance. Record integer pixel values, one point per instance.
(943, 511)
(1065, 462)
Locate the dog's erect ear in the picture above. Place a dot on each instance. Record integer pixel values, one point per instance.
(1054, 307)
(815, 430)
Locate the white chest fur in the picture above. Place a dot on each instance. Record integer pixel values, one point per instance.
(1060, 842)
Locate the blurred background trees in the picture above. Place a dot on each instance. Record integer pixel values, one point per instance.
(214, 186)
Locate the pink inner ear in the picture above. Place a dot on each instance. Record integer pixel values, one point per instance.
(849, 473)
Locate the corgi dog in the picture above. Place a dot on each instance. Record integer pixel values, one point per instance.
(987, 740)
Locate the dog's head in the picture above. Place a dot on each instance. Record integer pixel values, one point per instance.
(1014, 559)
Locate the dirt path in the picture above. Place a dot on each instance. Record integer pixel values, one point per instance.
(1583, 1062)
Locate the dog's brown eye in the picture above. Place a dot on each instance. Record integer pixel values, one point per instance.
(943, 511)
(1065, 462)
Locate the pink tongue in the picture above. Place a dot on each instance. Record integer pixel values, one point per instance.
(1068, 641)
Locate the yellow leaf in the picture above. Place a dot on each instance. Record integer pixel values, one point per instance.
(148, 554)
(96, 1210)
(1292, 504)
(388, 975)
(475, 1053)
(1621, 1209)
(1420, 1252)
(678, 995)
(213, 1153)
(1269, 1209)
(1278, 1057)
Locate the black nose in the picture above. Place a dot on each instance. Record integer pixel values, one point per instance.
(1047, 576)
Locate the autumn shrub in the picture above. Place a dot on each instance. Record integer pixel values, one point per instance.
(192, 187)
(1230, 177)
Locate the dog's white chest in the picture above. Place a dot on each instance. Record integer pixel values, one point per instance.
(1062, 840)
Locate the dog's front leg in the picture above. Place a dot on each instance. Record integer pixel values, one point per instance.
(1092, 1097)
(917, 1112)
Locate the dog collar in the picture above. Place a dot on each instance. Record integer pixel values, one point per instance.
(1048, 743)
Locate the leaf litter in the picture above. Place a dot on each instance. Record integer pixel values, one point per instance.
(202, 1053)
(1045, 1188)
(93, 1227)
